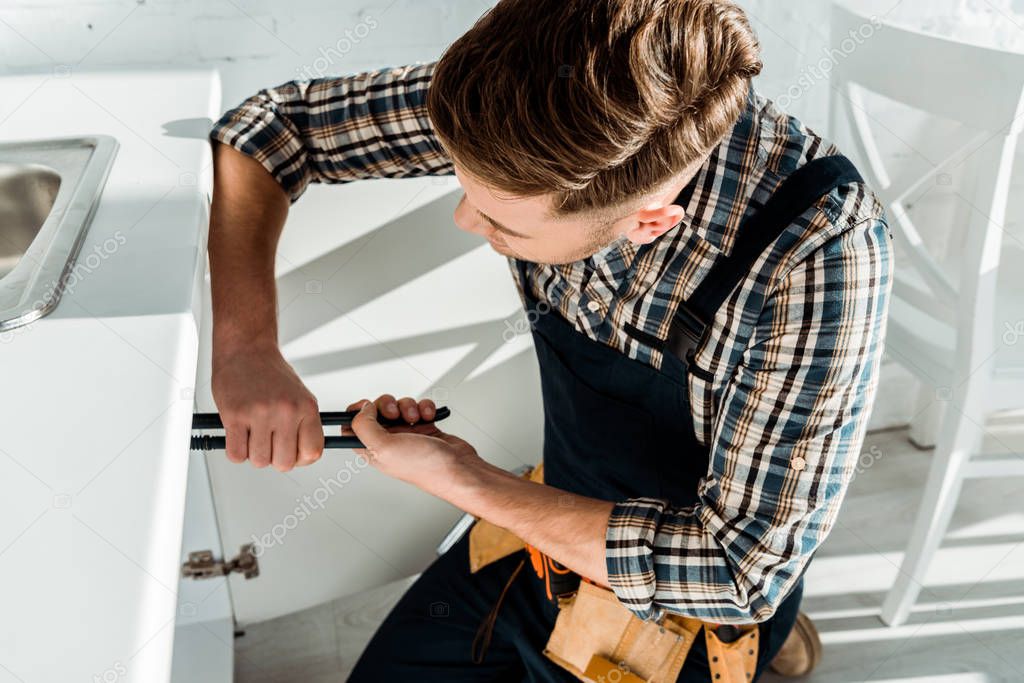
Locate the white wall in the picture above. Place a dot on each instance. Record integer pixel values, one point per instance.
(377, 291)
(258, 42)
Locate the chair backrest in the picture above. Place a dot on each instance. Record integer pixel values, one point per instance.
(980, 88)
(977, 86)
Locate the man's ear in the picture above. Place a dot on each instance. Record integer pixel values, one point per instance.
(650, 224)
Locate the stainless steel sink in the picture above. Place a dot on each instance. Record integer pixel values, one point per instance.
(49, 191)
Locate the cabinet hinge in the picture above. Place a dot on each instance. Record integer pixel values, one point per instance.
(201, 564)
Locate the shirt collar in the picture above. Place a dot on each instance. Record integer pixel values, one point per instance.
(717, 197)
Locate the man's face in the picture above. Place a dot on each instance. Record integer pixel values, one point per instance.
(525, 228)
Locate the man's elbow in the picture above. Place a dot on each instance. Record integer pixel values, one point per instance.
(745, 602)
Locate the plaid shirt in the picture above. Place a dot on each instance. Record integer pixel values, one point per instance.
(792, 358)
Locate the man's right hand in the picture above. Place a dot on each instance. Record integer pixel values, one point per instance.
(269, 416)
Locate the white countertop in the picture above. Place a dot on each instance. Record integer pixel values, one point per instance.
(97, 397)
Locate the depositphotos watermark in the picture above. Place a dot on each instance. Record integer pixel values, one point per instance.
(333, 53)
(115, 673)
(86, 263)
(1013, 333)
(524, 323)
(307, 505)
(616, 675)
(867, 460)
(815, 73)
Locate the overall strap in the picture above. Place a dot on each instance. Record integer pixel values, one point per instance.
(797, 193)
(524, 282)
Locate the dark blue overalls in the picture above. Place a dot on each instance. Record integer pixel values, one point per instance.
(614, 429)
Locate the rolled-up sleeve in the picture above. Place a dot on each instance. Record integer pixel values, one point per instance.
(335, 130)
(785, 445)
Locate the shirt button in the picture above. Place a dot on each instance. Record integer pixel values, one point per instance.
(594, 306)
(798, 464)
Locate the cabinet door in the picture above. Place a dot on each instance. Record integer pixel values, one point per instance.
(204, 630)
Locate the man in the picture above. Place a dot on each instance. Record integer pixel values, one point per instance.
(718, 278)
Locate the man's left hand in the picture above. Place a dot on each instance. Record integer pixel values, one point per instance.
(449, 468)
(418, 453)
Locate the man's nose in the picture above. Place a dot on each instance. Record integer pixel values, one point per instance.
(469, 220)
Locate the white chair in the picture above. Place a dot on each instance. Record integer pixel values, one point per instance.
(945, 325)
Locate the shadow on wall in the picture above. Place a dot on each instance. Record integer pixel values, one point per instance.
(369, 267)
(396, 253)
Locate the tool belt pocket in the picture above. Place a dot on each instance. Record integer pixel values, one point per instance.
(489, 543)
(597, 639)
(595, 636)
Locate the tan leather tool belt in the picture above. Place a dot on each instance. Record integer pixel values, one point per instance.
(597, 639)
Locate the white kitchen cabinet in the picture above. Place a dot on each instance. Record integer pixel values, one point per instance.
(99, 393)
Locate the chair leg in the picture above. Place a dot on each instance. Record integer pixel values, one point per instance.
(928, 411)
(962, 430)
(958, 438)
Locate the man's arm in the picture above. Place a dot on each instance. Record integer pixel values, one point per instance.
(269, 415)
(266, 153)
(784, 447)
(565, 526)
(786, 444)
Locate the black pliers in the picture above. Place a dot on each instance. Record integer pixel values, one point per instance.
(205, 442)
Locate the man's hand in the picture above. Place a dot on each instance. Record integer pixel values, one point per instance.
(420, 454)
(270, 417)
(449, 468)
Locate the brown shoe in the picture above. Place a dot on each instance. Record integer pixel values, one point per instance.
(801, 651)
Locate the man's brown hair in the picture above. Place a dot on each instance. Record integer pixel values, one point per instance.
(596, 102)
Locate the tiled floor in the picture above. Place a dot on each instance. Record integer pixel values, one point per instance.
(967, 628)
